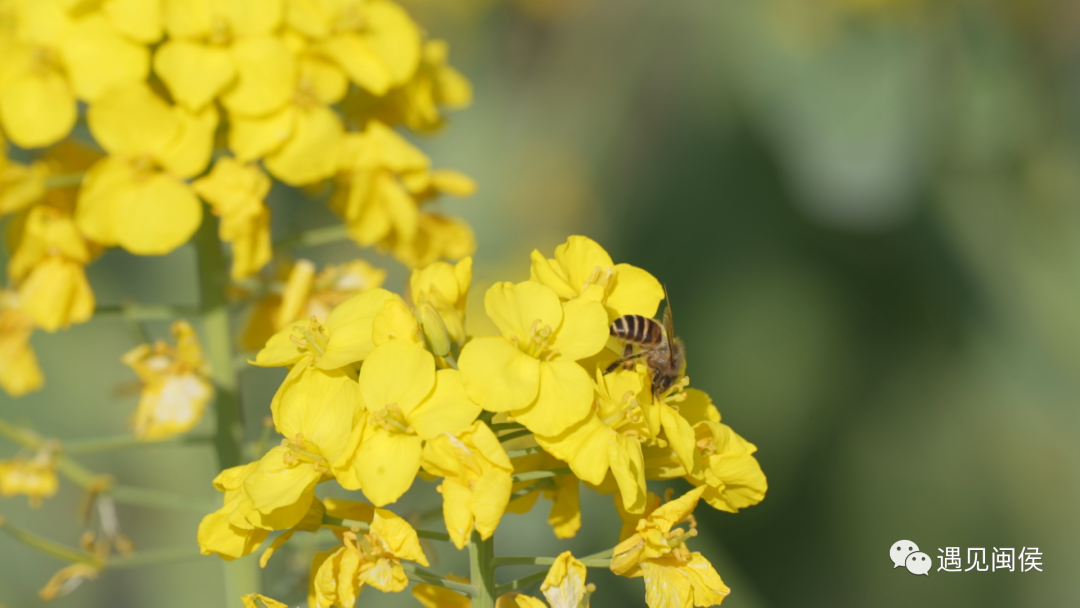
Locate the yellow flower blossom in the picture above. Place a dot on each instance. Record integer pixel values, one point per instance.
(227, 532)
(725, 466)
(582, 268)
(299, 139)
(306, 294)
(416, 104)
(54, 58)
(225, 48)
(674, 577)
(446, 289)
(432, 596)
(531, 370)
(235, 193)
(374, 41)
(135, 197)
(384, 180)
(564, 586)
(175, 388)
(609, 438)
(563, 492)
(373, 559)
(19, 369)
(34, 477)
(409, 402)
(48, 266)
(476, 484)
(257, 600)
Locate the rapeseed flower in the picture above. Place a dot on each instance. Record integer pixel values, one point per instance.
(531, 370)
(235, 193)
(408, 402)
(20, 185)
(417, 103)
(135, 198)
(674, 577)
(253, 600)
(19, 369)
(564, 586)
(373, 559)
(34, 477)
(582, 269)
(176, 385)
(563, 491)
(445, 288)
(476, 480)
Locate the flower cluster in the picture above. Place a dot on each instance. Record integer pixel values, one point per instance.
(112, 112)
(387, 389)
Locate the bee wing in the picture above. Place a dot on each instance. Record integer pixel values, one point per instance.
(669, 325)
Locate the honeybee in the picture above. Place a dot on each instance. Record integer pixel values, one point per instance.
(663, 352)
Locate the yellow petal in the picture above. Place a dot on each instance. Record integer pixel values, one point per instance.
(251, 138)
(326, 80)
(37, 110)
(633, 292)
(132, 121)
(322, 407)
(311, 154)
(628, 468)
(136, 19)
(517, 309)
(279, 350)
(679, 434)
(497, 375)
(350, 326)
(394, 38)
(584, 446)
(580, 257)
(187, 18)
(105, 183)
(399, 537)
(253, 17)
(399, 372)
(386, 464)
(188, 152)
(156, 216)
(564, 586)
(195, 73)
(217, 535)
(266, 74)
(446, 410)
(584, 330)
(363, 66)
(395, 322)
(550, 273)
(565, 515)
(252, 600)
(280, 494)
(457, 515)
(98, 59)
(57, 294)
(564, 399)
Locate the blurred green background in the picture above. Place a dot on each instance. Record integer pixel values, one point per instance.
(867, 213)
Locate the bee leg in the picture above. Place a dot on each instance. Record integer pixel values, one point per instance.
(623, 361)
(627, 351)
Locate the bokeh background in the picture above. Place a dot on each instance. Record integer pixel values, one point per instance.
(867, 213)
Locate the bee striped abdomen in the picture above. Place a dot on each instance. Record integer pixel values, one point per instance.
(637, 329)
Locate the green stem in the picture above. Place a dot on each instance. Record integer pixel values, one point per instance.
(242, 575)
(365, 526)
(542, 473)
(515, 435)
(137, 312)
(45, 545)
(64, 180)
(512, 454)
(418, 574)
(596, 560)
(314, 238)
(505, 426)
(95, 445)
(482, 571)
(536, 486)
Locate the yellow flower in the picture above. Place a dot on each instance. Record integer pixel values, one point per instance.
(373, 559)
(476, 485)
(408, 402)
(253, 600)
(48, 265)
(236, 192)
(674, 577)
(416, 103)
(19, 369)
(531, 371)
(35, 477)
(564, 586)
(135, 197)
(53, 58)
(306, 294)
(446, 289)
(609, 438)
(374, 41)
(299, 139)
(582, 268)
(225, 48)
(175, 388)
(227, 532)
(563, 492)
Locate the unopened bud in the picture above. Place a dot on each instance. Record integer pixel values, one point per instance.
(435, 333)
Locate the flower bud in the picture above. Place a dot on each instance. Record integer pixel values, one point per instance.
(435, 333)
